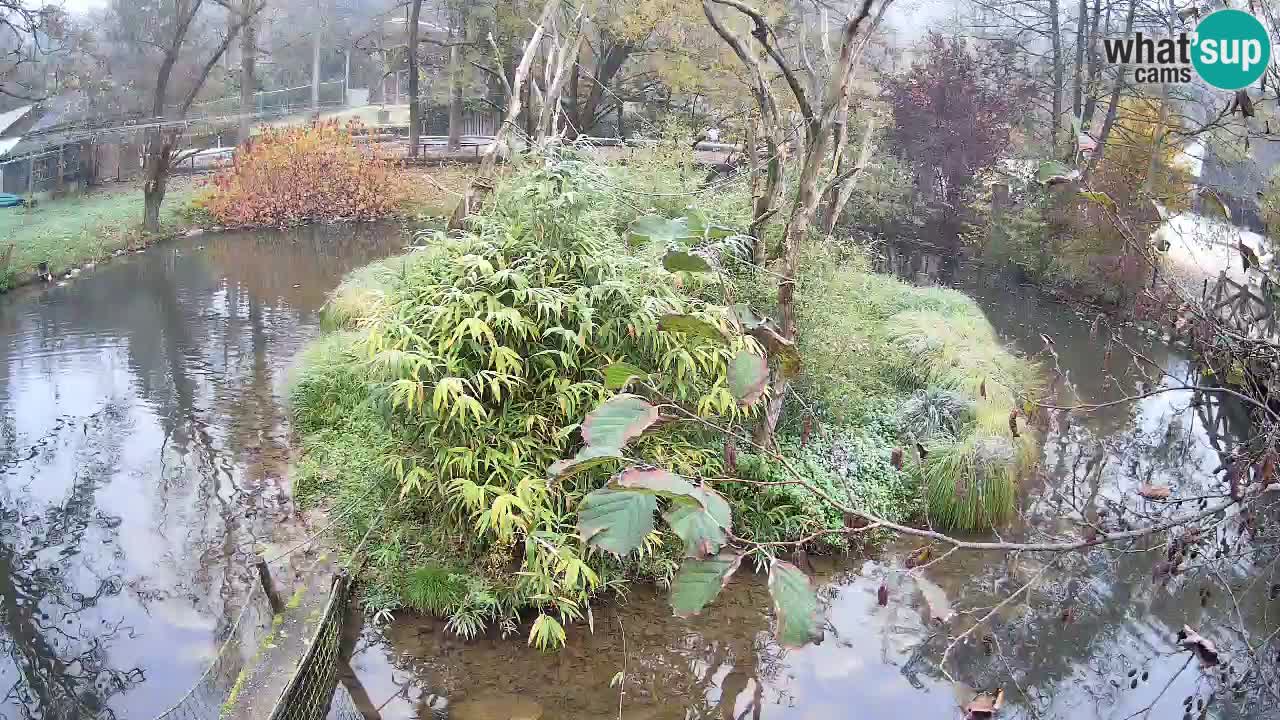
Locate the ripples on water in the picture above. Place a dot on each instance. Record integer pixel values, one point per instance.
(143, 450)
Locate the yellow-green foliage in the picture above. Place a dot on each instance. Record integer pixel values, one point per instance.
(481, 359)
(869, 338)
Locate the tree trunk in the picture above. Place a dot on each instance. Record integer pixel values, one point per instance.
(415, 103)
(1077, 77)
(455, 97)
(248, 82)
(1055, 37)
(614, 57)
(1095, 67)
(1114, 103)
(574, 118)
(482, 184)
(551, 102)
(841, 191)
(158, 152)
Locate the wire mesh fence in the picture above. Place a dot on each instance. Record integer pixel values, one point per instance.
(311, 691)
(343, 706)
(216, 687)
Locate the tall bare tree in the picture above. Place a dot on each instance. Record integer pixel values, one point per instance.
(819, 115)
(172, 35)
(248, 69)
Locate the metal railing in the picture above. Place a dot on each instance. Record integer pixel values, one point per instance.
(310, 693)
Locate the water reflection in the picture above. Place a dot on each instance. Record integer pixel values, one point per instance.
(143, 446)
(1094, 637)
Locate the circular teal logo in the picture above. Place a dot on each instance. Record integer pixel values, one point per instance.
(1231, 50)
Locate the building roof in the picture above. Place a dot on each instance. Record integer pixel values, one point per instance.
(13, 116)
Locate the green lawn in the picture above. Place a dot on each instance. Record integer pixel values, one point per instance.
(78, 229)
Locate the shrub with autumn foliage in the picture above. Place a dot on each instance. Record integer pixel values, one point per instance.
(303, 174)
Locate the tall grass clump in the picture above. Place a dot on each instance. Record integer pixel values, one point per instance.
(872, 342)
(474, 365)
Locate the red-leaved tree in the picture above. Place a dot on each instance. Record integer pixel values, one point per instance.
(951, 118)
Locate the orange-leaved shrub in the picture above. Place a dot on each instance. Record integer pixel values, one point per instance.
(306, 173)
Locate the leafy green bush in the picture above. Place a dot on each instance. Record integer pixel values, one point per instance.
(479, 360)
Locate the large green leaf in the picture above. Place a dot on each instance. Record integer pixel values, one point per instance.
(749, 319)
(1098, 198)
(587, 458)
(679, 260)
(703, 527)
(1052, 172)
(1212, 206)
(658, 481)
(788, 359)
(618, 374)
(650, 228)
(748, 374)
(690, 325)
(701, 227)
(616, 521)
(699, 582)
(619, 419)
(795, 603)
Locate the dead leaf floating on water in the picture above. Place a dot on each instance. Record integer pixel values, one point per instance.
(919, 556)
(985, 705)
(1154, 492)
(1204, 648)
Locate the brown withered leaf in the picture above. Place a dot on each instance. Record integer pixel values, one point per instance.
(730, 455)
(1204, 648)
(982, 389)
(882, 595)
(1233, 481)
(806, 430)
(985, 705)
(1013, 422)
(896, 459)
(921, 451)
(919, 556)
(1268, 467)
(1154, 492)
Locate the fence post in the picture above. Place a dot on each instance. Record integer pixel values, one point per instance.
(264, 577)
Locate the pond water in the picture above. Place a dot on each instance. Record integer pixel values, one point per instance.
(143, 457)
(144, 454)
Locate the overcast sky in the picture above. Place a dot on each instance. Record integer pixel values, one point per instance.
(79, 6)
